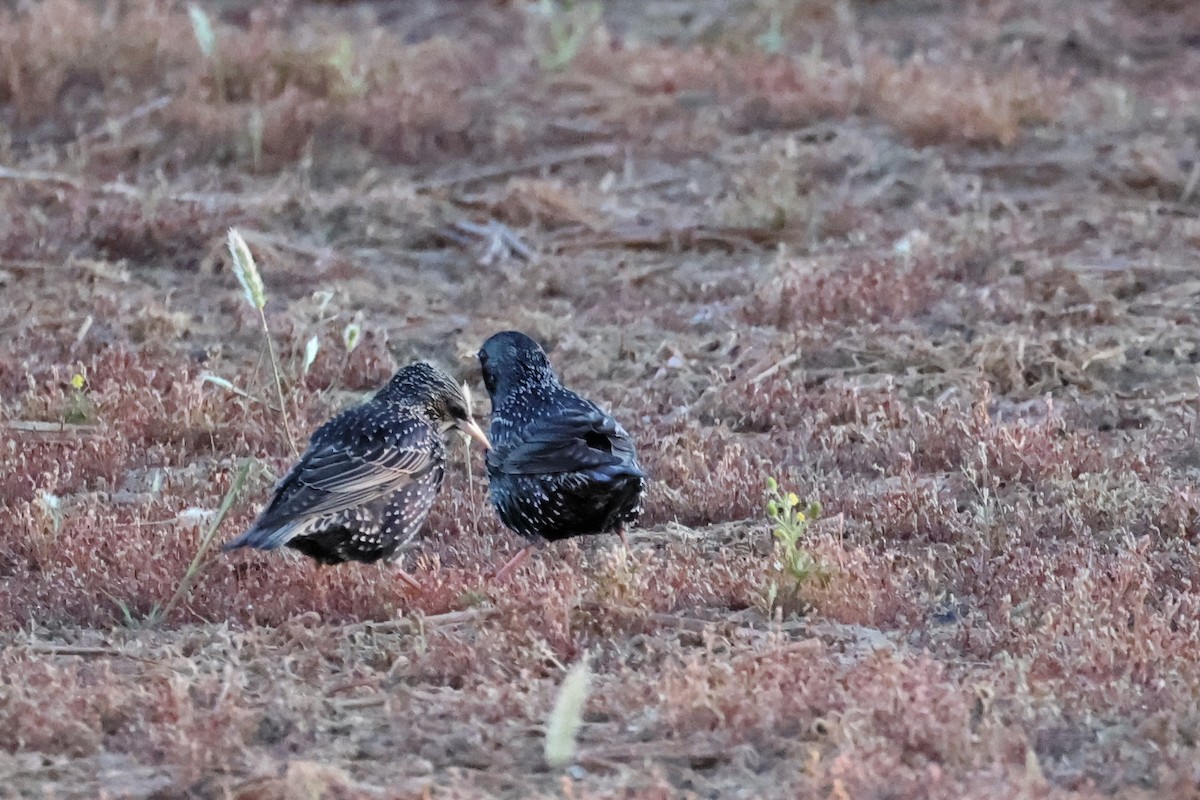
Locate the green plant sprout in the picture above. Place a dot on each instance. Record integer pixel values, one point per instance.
(351, 82)
(793, 566)
(771, 40)
(206, 40)
(78, 408)
(567, 25)
(351, 336)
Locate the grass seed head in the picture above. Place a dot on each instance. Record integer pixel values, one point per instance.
(567, 715)
(246, 270)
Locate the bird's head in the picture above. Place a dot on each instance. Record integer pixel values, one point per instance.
(511, 359)
(446, 404)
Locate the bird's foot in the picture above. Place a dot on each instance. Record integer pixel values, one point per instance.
(505, 571)
(624, 538)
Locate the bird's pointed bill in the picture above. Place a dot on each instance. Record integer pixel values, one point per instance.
(472, 429)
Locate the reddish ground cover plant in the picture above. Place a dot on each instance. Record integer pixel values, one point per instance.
(928, 267)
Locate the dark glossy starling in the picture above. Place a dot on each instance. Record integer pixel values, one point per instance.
(559, 466)
(364, 486)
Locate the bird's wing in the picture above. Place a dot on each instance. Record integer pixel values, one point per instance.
(569, 441)
(342, 471)
(377, 464)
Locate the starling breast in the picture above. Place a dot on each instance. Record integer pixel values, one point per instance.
(559, 466)
(369, 477)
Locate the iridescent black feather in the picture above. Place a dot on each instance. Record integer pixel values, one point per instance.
(559, 466)
(366, 483)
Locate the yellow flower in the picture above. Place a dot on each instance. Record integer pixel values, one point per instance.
(792, 500)
(77, 381)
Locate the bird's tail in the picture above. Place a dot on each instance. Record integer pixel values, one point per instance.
(261, 538)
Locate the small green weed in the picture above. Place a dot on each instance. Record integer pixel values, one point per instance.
(206, 40)
(772, 40)
(78, 409)
(351, 79)
(566, 26)
(793, 566)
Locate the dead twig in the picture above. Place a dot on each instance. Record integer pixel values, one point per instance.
(778, 365)
(113, 126)
(37, 426)
(45, 176)
(502, 241)
(640, 751)
(554, 159)
(50, 649)
(81, 651)
(674, 238)
(355, 703)
(211, 201)
(690, 624)
(448, 619)
(82, 333)
(350, 685)
(456, 617)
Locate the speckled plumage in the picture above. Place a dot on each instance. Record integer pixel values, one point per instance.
(559, 466)
(368, 479)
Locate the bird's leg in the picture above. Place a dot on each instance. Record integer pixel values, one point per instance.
(514, 562)
(407, 579)
(624, 538)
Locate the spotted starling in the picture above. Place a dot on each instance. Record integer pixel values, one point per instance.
(559, 466)
(364, 486)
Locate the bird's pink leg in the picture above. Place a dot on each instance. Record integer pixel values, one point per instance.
(408, 579)
(624, 538)
(514, 562)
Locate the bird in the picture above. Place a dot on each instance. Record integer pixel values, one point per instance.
(369, 476)
(559, 466)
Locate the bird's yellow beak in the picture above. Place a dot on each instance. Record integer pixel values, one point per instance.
(471, 428)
